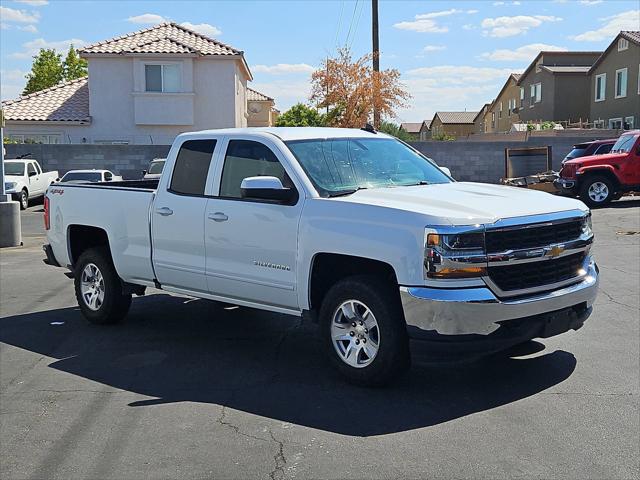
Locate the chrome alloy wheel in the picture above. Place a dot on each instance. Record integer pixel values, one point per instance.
(598, 191)
(355, 334)
(92, 286)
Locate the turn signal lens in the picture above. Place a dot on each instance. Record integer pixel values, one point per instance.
(433, 240)
(466, 272)
(47, 222)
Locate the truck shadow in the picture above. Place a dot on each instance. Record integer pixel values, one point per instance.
(175, 349)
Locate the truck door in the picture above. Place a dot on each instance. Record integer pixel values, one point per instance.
(251, 245)
(35, 187)
(177, 218)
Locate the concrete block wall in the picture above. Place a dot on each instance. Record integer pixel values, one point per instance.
(125, 160)
(477, 161)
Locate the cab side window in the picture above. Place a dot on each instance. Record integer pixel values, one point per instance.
(192, 167)
(31, 170)
(38, 171)
(246, 158)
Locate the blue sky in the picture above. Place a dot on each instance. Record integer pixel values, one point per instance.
(452, 55)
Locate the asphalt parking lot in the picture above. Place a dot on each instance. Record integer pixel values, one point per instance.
(187, 388)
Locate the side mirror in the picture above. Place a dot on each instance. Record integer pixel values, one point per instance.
(144, 172)
(32, 174)
(266, 188)
(446, 171)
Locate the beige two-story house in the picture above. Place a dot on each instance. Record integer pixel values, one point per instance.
(145, 87)
(453, 124)
(555, 87)
(503, 111)
(615, 84)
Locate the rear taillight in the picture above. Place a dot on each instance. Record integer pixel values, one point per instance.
(47, 221)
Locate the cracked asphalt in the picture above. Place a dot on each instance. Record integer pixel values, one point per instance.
(188, 388)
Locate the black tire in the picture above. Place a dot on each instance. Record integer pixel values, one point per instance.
(23, 199)
(599, 200)
(392, 358)
(115, 304)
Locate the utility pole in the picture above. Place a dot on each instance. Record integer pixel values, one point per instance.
(376, 60)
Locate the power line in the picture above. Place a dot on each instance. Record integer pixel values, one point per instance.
(353, 16)
(355, 30)
(339, 23)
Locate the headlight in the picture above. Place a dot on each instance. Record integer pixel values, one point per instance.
(587, 229)
(455, 254)
(9, 185)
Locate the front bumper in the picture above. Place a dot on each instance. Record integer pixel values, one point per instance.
(567, 187)
(477, 315)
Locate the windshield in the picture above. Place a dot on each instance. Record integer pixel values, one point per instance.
(624, 144)
(85, 176)
(11, 168)
(576, 152)
(156, 167)
(342, 165)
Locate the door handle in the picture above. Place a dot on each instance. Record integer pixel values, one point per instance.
(218, 217)
(164, 211)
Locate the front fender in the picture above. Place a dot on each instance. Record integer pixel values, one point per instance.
(596, 169)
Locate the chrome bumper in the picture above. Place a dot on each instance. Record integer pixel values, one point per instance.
(465, 311)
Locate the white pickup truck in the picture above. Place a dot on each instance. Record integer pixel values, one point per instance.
(350, 228)
(25, 180)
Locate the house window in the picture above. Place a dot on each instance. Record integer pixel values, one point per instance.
(598, 124)
(162, 78)
(628, 123)
(536, 93)
(615, 123)
(521, 96)
(621, 83)
(601, 85)
(500, 113)
(623, 44)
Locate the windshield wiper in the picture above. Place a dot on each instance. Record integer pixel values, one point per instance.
(341, 193)
(421, 182)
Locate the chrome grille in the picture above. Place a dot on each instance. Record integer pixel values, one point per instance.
(533, 236)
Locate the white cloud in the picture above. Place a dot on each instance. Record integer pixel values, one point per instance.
(468, 26)
(425, 23)
(433, 48)
(285, 94)
(21, 16)
(510, 26)
(4, 26)
(451, 88)
(526, 53)
(497, 4)
(29, 28)
(283, 68)
(34, 3)
(203, 28)
(147, 19)
(12, 82)
(32, 47)
(628, 20)
(590, 2)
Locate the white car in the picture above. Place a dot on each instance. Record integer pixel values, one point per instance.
(155, 169)
(350, 228)
(90, 176)
(25, 180)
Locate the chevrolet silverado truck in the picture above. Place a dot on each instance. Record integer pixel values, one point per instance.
(350, 228)
(24, 180)
(599, 179)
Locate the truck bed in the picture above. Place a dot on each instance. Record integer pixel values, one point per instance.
(120, 209)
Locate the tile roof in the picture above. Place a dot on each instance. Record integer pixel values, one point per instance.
(411, 127)
(255, 96)
(66, 102)
(169, 38)
(633, 35)
(566, 68)
(456, 117)
(427, 123)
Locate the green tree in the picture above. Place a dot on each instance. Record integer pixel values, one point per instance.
(74, 66)
(395, 130)
(46, 71)
(301, 115)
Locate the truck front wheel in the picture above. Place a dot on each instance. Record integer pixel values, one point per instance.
(98, 288)
(364, 330)
(23, 198)
(597, 191)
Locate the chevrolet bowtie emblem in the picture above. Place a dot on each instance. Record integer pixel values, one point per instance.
(555, 251)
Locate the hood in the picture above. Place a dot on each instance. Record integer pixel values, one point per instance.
(589, 159)
(13, 178)
(465, 203)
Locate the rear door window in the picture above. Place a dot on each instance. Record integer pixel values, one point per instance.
(192, 167)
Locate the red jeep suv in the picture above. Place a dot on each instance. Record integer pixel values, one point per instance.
(598, 179)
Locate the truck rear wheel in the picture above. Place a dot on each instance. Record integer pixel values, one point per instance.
(364, 331)
(23, 198)
(98, 288)
(597, 191)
